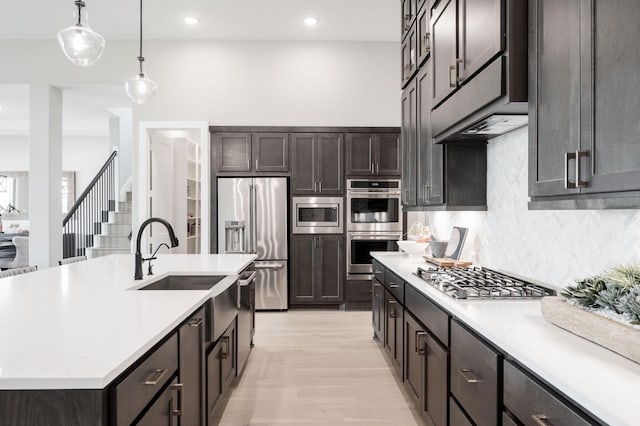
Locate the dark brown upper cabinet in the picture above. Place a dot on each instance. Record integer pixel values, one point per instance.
(479, 62)
(409, 120)
(429, 155)
(252, 152)
(373, 154)
(409, 56)
(423, 33)
(467, 34)
(233, 151)
(584, 140)
(318, 163)
(408, 9)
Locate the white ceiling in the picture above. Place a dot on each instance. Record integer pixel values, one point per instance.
(357, 20)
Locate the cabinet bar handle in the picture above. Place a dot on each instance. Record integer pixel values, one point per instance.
(256, 164)
(540, 419)
(372, 168)
(391, 301)
(567, 157)
(579, 182)
(452, 81)
(392, 285)
(320, 186)
(392, 314)
(418, 336)
(426, 46)
(225, 353)
(155, 377)
(458, 63)
(196, 322)
(377, 168)
(180, 388)
(466, 373)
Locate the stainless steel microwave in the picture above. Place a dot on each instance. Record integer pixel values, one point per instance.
(317, 215)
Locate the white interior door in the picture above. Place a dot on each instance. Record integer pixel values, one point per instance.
(160, 188)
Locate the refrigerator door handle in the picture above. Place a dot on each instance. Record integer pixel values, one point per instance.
(252, 208)
(274, 266)
(254, 231)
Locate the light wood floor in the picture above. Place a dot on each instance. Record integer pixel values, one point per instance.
(318, 368)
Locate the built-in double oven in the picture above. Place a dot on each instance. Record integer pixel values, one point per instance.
(374, 222)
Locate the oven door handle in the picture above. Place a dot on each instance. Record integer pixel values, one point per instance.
(394, 237)
(380, 194)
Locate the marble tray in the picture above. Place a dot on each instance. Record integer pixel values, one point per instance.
(613, 335)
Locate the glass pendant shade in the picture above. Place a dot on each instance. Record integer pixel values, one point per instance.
(81, 44)
(140, 88)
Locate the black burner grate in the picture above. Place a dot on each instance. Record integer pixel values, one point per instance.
(481, 283)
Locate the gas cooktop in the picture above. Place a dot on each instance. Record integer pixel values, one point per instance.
(481, 283)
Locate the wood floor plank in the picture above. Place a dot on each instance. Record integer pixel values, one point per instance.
(317, 368)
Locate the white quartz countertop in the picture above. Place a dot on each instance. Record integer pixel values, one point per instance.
(80, 325)
(602, 382)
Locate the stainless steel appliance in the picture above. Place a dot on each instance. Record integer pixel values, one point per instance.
(359, 248)
(374, 205)
(317, 215)
(374, 222)
(262, 203)
(481, 283)
(246, 316)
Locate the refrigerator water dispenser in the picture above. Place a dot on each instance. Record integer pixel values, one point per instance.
(234, 236)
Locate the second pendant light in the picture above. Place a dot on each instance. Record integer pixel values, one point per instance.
(140, 88)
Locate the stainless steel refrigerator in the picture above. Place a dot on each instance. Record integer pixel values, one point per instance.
(253, 218)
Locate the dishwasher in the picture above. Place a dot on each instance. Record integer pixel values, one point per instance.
(246, 315)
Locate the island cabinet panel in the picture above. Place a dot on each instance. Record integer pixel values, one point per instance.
(192, 368)
(377, 308)
(140, 386)
(65, 407)
(221, 371)
(532, 404)
(425, 311)
(457, 416)
(474, 375)
(393, 336)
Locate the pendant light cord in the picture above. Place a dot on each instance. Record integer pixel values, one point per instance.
(80, 5)
(141, 58)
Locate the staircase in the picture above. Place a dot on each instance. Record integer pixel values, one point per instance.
(114, 235)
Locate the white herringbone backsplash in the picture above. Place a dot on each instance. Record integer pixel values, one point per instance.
(552, 246)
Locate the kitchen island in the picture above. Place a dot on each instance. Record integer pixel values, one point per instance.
(601, 383)
(80, 326)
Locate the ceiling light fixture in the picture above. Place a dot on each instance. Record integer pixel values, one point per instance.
(140, 88)
(191, 20)
(2, 107)
(311, 21)
(81, 44)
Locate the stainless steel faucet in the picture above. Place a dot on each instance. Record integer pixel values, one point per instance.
(172, 237)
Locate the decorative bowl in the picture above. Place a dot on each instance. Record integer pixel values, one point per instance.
(412, 248)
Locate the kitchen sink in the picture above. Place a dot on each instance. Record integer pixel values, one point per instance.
(185, 282)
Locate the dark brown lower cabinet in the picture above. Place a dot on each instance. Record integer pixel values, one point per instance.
(317, 269)
(166, 410)
(531, 403)
(457, 416)
(221, 371)
(357, 294)
(474, 375)
(377, 309)
(425, 371)
(394, 323)
(192, 367)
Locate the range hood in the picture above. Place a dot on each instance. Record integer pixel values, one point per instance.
(496, 125)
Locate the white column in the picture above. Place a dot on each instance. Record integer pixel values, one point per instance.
(45, 175)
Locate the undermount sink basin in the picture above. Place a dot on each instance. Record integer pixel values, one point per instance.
(185, 282)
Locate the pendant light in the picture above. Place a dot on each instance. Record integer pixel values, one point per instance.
(81, 44)
(140, 88)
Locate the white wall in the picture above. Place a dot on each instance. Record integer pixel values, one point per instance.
(84, 155)
(552, 246)
(14, 153)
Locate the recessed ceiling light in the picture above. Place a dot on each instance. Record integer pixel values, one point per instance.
(2, 107)
(311, 21)
(191, 20)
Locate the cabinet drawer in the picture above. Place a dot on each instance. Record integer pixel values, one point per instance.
(434, 318)
(533, 404)
(133, 393)
(378, 270)
(395, 285)
(162, 412)
(474, 375)
(456, 415)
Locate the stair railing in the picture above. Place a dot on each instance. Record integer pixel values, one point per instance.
(90, 210)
